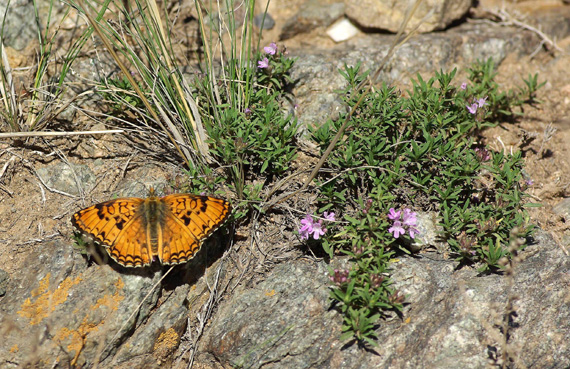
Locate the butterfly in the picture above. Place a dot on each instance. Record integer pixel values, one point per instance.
(137, 231)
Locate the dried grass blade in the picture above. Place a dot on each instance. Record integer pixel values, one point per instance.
(7, 81)
(133, 83)
(56, 134)
(201, 145)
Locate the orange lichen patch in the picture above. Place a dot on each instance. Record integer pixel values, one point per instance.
(111, 301)
(14, 348)
(270, 293)
(166, 343)
(76, 337)
(119, 284)
(45, 300)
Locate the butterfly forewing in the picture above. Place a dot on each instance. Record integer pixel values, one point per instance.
(105, 221)
(202, 215)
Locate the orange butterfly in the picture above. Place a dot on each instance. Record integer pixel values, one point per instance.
(137, 231)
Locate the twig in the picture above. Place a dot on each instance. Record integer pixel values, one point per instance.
(508, 20)
(59, 134)
(39, 240)
(126, 166)
(9, 227)
(7, 190)
(43, 193)
(49, 188)
(75, 177)
(6, 166)
(29, 166)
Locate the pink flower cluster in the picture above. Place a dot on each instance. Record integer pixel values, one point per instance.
(403, 221)
(269, 50)
(478, 104)
(340, 277)
(482, 154)
(315, 228)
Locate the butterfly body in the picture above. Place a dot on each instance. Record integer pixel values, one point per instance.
(137, 231)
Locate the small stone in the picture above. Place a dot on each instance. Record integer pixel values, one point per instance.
(342, 30)
(18, 24)
(64, 178)
(563, 208)
(4, 279)
(427, 224)
(389, 14)
(264, 21)
(312, 15)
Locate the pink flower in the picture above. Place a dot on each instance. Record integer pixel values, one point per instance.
(318, 229)
(409, 218)
(403, 221)
(464, 85)
(413, 231)
(329, 216)
(393, 214)
(271, 49)
(307, 227)
(482, 102)
(472, 108)
(315, 228)
(262, 64)
(397, 229)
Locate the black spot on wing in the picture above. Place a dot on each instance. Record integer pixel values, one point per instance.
(100, 212)
(186, 218)
(120, 223)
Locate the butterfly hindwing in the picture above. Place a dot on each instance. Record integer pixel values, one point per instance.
(178, 243)
(132, 246)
